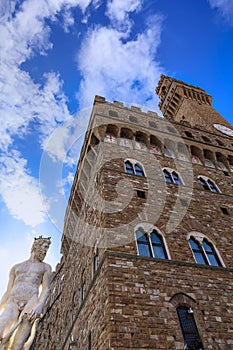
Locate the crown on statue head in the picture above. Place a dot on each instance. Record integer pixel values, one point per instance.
(41, 237)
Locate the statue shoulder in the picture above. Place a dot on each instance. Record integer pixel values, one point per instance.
(47, 267)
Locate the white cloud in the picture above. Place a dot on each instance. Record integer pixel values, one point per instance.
(23, 34)
(116, 67)
(225, 8)
(20, 191)
(118, 11)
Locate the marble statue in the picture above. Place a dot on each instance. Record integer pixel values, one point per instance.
(25, 297)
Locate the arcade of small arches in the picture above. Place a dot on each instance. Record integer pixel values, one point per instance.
(150, 143)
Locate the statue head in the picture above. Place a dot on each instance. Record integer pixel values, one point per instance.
(40, 247)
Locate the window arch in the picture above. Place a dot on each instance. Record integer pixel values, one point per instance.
(171, 176)
(134, 168)
(169, 148)
(141, 141)
(196, 155)
(204, 251)
(126, 137)
(151, 245)
(208, 184)
(222, 163)
(209, 159)
(155, 145)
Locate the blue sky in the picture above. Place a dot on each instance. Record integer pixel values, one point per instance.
(55, 57)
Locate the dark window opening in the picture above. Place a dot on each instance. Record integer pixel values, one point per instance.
(189, 329)
(189, 134)
(89, 342)
(95, 263)
(152, 124)
(141, 194)
(113, 114)
(206, 139)
(171, 129)
(225, 211)
(133, 119)
(183, 202)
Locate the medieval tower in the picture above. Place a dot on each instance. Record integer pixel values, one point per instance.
(147, 244)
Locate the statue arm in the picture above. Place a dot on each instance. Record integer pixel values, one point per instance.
(6, 295)
(45, 285)
(37, 309)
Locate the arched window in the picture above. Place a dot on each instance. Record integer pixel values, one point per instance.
(171, 176)
(204, 252)
(198, 252)
(158, 245)
(208, 184)
(126, 137)
(211, 254)
(138, 170)
(176, 178)
(143, 244)
(129, 167)
(189, 328)
(133, 168)
(196, 155)
(168, 152)
(151, 245)
(167, 176)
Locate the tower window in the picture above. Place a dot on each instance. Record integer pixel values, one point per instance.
(152, 125)
(129, 168)
(158, 245)
(113, 114)
(204, 252)
(89, 341)
(151, 245)
(211, 254)
(133, 119)
(171, 129)
(208, 184)
(168, 152)
(225, 211)
(189, 329)
(95, 263)
(220, 143)
(171, 176)
(206, 139)
(141, 194)
(184, 203)
(138, 170)
(134, 168)
(189, 134)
